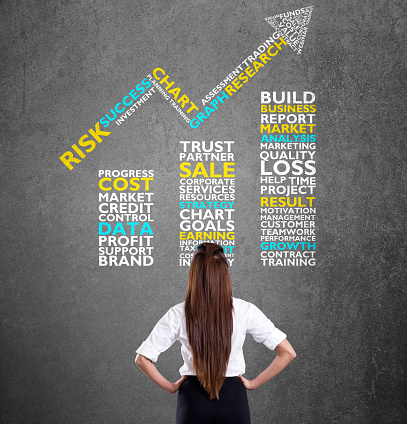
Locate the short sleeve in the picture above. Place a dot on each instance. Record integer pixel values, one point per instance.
(163, 336)
(262, 329)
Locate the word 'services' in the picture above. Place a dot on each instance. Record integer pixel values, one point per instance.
(207, 197)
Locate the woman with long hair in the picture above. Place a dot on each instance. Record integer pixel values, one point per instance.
(211, 326)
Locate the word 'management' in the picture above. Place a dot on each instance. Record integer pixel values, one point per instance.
(287, 180)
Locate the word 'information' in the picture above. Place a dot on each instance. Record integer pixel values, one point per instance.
(207, 197)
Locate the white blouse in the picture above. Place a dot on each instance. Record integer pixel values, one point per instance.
(247, 318)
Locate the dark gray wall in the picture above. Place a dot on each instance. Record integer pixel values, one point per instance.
(69, 329)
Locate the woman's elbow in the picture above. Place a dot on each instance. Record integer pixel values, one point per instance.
(285, 349)
(140, 360)
(291, 352)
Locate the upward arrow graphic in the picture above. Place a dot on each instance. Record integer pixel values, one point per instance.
(290, 30)
(292, 26)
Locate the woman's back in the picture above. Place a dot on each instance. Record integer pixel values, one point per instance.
(247, 318)
(211, 326)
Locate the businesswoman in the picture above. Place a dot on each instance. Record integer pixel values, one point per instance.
(211, 326)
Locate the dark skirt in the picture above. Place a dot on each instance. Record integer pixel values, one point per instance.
(194, 406)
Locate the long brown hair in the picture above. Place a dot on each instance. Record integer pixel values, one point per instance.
(208, 313)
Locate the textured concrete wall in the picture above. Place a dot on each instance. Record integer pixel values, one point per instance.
(69, 329)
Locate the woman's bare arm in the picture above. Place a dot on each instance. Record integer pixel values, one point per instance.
(149, 369)
(285, 354)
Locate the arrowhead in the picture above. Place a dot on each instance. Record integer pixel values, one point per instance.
(292, 26)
